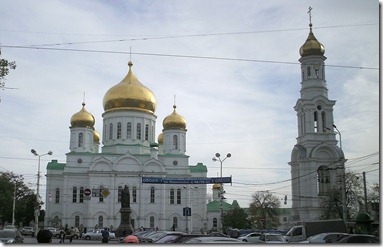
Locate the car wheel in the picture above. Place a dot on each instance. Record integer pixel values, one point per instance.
(245, 240)
(87, 237)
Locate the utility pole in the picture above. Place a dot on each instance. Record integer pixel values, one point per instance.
(365, 193)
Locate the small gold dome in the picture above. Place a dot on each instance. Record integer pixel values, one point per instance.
(130, 94)
(160, 138)
(312, 46)
(216, 186)
(96, 137)
(82, 118)
(174, 121)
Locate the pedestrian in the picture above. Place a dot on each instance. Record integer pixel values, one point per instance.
(131, 239)
(173, 227)
(124, 232)
(105, 236)
(72, 233)
(44, 236)
(85, 230)
(129, 231)
(62, 235)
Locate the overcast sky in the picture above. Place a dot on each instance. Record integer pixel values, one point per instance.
(233, 66)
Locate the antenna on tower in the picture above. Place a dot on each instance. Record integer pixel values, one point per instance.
(83, 98)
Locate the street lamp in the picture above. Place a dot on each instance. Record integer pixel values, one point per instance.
(37, 211)
(218, 158)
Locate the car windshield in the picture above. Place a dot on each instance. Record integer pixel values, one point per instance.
(7, 234)
(275, 238)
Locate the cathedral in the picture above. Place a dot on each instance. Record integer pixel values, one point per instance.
(86, 190)
(317, 163)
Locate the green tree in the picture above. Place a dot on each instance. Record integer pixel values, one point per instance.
(264, 210)
(24, 201)
(5, 66)
(236, 218)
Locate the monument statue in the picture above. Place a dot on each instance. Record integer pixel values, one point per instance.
(125, 211)
(125, 197)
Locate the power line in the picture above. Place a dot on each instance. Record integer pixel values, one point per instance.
(179, 56)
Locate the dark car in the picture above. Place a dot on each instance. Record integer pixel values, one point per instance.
(176, 238)
(359, 238)
(10, 236)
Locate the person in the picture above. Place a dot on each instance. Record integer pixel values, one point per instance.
(44, 236)
(105, 236)
(62, 235)
(173, 227)
(72, 232)
(131, 239)
(124, 232)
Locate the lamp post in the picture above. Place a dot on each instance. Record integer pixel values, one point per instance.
(14, 202)
(340, 136)
(37, 210)
(218, 158)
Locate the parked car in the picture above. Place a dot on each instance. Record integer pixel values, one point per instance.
(11, 236)
(96, 235)
(52, 229)
(359, 238)
(217, 234)
(27, 230)
(272, 238)
(326, 237)
(251, 237)
(213, 240)
(12, 227)
(176, 237)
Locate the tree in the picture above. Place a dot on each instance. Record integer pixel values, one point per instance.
(333, 204)
(264, 210)
(236, 218)
(5, 66)
(24, 201)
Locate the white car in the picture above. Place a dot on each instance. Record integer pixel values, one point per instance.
(96, 234)
(272, 238)
(213, 240)
(52, 229)
(326, 237)
(251, 237)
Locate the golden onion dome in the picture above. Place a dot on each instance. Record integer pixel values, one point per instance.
(96, 137)
(216, 186)
(82, 118)
(174, 121)
(160, 138)
(130, 94)
(312, 46)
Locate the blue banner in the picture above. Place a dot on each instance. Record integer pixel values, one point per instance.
(159, 180)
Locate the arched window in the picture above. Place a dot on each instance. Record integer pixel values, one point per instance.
(80, 140)
(81, 195)
(57, 195)
(315, 121)
(151, 221)
(134, 194)
(129, 131)
(77, 221)
(178, 196)
(100, 221)
(175, 142)
(74, 195)
(323, 181)
(171, 196)
(119, 193)
(146, 132)
(110, 131)
(118, 130)
(175, 222)
(308, 72)
(215, 222)
(152, 194)
(104, 132)
(323, 121)
(139, 131)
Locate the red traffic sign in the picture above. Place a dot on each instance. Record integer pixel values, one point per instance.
(87, 192)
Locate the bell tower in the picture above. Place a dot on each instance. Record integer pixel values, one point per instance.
(317, 163)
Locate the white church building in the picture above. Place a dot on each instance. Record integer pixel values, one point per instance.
(86, 190)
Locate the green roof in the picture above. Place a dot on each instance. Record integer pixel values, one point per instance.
(198, 168)
(54, 165)
(215, 206)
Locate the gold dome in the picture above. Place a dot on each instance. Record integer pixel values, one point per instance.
(130, 94)
(82, 118)
(312, 46)
(160, 138)
(216, 186)
(96, 137)
(174, 121)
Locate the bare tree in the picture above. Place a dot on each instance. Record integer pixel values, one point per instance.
(264, 210)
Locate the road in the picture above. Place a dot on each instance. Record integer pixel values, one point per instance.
(31, 240)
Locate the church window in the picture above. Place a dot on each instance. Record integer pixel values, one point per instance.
(119, 193)
(152, 194)
(134, 194)
(129, 130)
(308, 72)
(77, 221)
(80, 140)
(100, 197)
(315, 121)
(324, 121)
(74, 195)
(57, 195)
(81, 195)
(151, 221)
(118, 130)
(215, 222)
(139, 131)
(316, 73)
(175, 222)
(100, 221)
(178, 196)
(146, 132)
(104, 132)
(323, 180)
(171, 196)
(175, 142)
(110, 131)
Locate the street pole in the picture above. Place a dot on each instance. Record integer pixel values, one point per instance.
(14, 205)
(37, 209)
